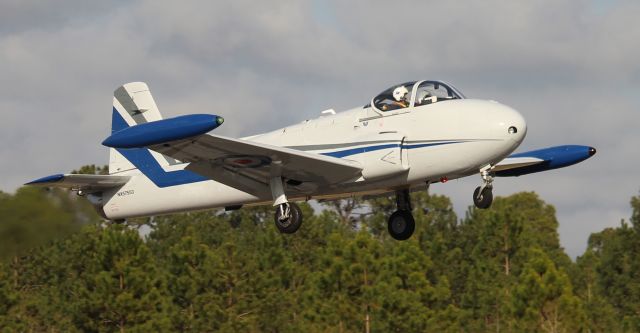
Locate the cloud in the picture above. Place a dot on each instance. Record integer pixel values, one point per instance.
(570, 68)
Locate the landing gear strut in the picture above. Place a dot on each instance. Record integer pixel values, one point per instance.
(288, 216)
(401, 223)
(483, 195)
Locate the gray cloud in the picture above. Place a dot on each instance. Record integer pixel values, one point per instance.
(569, 67)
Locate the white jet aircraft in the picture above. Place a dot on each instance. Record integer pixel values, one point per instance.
(408, 137)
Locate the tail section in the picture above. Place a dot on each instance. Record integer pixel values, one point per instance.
(133, 105)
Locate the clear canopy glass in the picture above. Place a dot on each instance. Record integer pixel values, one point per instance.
(410, 94)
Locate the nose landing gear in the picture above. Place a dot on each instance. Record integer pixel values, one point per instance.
(401, 224)
(483, 195)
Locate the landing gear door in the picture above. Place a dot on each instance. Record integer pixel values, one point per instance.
(404, 153)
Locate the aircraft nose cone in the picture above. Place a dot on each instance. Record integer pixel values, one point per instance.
(592, 151)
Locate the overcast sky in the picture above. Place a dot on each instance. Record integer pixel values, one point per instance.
(570, 67)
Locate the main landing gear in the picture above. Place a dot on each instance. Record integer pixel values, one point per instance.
(401, 223)
(288, 216)
(483, 195)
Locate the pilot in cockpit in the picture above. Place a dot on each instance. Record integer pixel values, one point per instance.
(400, 96)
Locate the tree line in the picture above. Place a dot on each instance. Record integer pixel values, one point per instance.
(62, 269)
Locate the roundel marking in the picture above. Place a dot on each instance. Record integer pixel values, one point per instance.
(245, 161)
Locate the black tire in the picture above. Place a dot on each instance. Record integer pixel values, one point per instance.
(401, 225)
(293, 223)
(484, 200)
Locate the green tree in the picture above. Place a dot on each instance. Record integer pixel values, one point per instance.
(497, 244)
(30, 218)
(500, 269)
(616, 252)
(92, 169)
(600, 315)
(543, 299)
(117, 284)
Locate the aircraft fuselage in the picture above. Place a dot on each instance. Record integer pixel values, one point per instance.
(397, 149)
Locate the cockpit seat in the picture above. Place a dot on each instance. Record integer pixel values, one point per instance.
(424, 98)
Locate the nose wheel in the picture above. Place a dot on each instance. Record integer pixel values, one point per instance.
(483, 195)
(482, 198)
(401, 224)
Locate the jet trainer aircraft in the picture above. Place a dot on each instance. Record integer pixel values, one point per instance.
(409, 136)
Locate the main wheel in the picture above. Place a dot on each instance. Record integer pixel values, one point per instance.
(291, 223)
(401, 225)
(483, 200)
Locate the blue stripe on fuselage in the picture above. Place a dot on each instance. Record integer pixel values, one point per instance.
(360, 150)
(142, 159)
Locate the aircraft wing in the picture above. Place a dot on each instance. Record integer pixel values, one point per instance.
(86, 183)
(542, 160)
(242, 164)
(249, 165)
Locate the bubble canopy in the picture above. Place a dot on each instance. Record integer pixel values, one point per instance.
(414, 94)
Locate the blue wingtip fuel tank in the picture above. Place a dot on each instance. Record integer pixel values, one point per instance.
(553, 158)
(47, 179)
(165, 130)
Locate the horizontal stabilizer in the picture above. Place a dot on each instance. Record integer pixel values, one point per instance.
(87, 183)
(165, 130)
(542, 160)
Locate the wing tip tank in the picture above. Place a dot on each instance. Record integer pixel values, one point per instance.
(552, 158)
(47, 179)
(165, 130)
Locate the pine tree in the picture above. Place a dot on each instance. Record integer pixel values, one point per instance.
(116, 285)
(543, 299)
(616, 252)
(497, 244)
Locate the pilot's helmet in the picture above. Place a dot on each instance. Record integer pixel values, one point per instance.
(400, 93)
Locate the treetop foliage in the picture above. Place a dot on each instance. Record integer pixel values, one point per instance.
(501, 269)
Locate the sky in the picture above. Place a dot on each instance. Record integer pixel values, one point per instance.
(569, 67)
